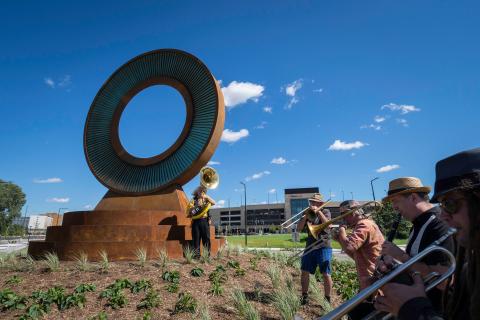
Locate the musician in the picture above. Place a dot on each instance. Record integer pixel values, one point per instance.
(320, 257)
(363, 244)
(457, 189)
(409, 197)
(201, 223)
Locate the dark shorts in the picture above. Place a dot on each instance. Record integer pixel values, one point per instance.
(320, 258)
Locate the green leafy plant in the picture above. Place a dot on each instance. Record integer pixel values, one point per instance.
(239, 272)
(172, 287)
(81, 261)
(318, 296)
(85, 287)
(220, 268)
(34, 311)
(51, 261)
(141, 285)
(141, 254)
(13, 280)
(254, 262)
(104, 263)
(185, 303)
(216, 289)
(151, 300)
(9, 300)
(116, 299)
(344, 276)
(219, 276)
(233, 264)
(102, 315)
(244, 309)
(147, 315)
(197, 272)
(188, 253)
(171, 276)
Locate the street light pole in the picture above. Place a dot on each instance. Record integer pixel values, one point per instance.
(58, 214)
(371, 184)
(245, 221)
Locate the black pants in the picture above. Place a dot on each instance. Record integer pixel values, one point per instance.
(200, 230)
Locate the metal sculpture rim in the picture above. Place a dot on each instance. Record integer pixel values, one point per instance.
(124, 173)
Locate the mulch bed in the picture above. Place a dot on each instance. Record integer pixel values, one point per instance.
(220, 307)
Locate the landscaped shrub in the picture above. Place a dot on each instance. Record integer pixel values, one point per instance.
(151, 300)
(185, 303)
(244, 309)
(104, 263)
(197, 272)
(141, 254)
(51, 261)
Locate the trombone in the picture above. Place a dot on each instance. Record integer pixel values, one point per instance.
(296, 217)
(401, 267)
(316, 229)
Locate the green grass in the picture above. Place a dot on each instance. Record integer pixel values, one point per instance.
(281, 241)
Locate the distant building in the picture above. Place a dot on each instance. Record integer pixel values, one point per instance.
(267, 218)
(34, 222)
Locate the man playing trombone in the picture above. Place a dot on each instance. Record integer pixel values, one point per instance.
(363, 244)
(319, 257)
(409, 197)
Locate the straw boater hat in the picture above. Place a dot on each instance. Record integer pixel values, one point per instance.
(317, 197)
(405, 185)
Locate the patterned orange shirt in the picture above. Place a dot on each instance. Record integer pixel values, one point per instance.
(366, 239)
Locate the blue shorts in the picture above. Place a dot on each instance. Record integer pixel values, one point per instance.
(320, 257)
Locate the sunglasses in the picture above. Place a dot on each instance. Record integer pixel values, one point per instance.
(451, 206)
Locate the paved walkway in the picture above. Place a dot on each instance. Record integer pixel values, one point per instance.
(12, 247)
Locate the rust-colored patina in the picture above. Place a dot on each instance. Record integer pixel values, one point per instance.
(143, 210)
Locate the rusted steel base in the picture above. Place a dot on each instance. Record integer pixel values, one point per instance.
(121, 225)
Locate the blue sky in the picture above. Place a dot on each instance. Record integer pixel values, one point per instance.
(320, 93)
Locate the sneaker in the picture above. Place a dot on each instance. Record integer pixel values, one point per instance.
(304, 299)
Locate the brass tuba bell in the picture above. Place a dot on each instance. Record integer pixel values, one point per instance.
(209, 178)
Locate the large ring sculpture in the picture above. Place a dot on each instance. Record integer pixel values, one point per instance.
(124, 173)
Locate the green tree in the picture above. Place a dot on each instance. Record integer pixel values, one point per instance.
(385, 219)
(12, 200)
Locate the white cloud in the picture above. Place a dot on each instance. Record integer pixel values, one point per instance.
(233, 136)
(379, 119)
(318, 90)
(372, 126)
(257, 176)
(240, 92)
(48, 180)
(88, 207)
(64, 82)
(58, 200)
(272, 190)
(387, 168)
(213, 163)
(220, 204)
(292, 88)
(279, 160)
(339, 145)
(403, 108)
(353, 154)
(261, 125)
(267, 109)
(291, 91)
(49, 82)
(403, 122)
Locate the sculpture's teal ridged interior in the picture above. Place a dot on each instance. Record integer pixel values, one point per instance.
(128, 178)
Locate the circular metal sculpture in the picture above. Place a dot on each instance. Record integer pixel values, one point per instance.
(124, 173)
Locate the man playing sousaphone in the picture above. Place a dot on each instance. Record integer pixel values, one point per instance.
(320, 257)
(200, 219)
(364, 245)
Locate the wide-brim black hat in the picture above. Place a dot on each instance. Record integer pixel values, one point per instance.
(458, 172)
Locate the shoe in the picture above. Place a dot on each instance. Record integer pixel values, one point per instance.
(304, 299)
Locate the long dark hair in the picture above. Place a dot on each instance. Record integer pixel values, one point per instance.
(467, 273)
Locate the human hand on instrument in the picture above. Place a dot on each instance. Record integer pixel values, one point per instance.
(391, 249)
(395, 294)
(384, 264)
